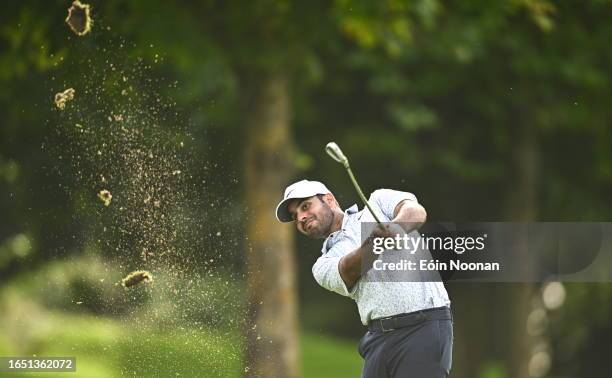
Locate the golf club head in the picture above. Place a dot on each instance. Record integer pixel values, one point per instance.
(335, 152)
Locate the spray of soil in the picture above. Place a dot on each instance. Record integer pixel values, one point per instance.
(122, 135)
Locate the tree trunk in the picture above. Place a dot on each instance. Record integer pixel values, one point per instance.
(491, 318)
(272, 333)
(522, 208)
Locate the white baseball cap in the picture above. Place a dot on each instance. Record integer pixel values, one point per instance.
(300, 189)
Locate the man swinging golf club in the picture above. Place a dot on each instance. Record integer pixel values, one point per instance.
(409, 323)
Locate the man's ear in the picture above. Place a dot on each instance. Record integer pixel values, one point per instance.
(330, 200)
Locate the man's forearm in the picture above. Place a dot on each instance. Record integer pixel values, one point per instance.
(410, 216)
(350, 267)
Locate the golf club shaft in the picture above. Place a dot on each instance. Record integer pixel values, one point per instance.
(334, 151)
(365, 201)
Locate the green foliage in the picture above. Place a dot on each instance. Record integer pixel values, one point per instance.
(104, 347)
(327, 357)
(580, 327)
(109, 347)
(493, 370)
(426, 96)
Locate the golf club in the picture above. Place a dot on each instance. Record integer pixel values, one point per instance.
(335, 152)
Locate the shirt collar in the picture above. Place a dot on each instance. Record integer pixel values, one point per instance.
(351, 210)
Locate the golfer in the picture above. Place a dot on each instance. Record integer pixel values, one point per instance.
(409, 324)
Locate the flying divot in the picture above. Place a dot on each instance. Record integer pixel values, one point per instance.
(137, 277)
(79, 18)
(62, 98)
(105, 196)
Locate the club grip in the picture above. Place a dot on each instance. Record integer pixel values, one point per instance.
(335, 152)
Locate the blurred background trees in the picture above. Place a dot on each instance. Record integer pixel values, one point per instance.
(486, 111)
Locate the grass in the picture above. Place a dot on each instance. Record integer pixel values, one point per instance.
(329, 357)
(161, 339)
(106, 347)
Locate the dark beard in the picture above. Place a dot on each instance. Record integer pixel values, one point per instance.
(325, 223)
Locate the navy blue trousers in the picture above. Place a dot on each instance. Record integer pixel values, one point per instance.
(422, 350)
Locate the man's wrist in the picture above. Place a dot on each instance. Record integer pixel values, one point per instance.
(406, 227)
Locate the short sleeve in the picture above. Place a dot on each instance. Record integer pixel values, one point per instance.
(326, 272)
(387, 199)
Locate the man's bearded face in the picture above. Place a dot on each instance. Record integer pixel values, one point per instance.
(312, 216)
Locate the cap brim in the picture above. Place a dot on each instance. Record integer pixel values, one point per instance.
(282, 211)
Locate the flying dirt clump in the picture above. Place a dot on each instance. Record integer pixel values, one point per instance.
(136, 277)
(79, 18)
(62, 98)
(105, 196)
